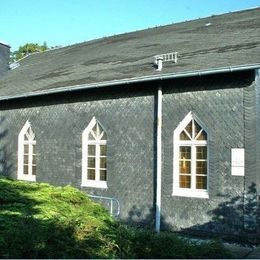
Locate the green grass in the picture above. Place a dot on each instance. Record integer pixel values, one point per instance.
(42, 221)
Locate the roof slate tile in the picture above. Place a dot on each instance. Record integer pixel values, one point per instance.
(231, 39)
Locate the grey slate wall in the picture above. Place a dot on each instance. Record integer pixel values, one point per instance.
(4, 58)
(128, 115)
(252, 144)
(257, 99)
(219, 103)
(128, 119)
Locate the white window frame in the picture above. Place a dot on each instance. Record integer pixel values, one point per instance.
(85, 142)
(21, 142)
(188, 192)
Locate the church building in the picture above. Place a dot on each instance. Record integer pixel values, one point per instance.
(162, 125)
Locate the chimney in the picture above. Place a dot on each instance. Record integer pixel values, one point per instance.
(4, 58)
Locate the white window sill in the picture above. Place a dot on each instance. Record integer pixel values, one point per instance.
(203, 194)
(27, 178)
(95, 184)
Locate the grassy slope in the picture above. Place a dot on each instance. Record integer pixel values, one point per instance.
(41, 221)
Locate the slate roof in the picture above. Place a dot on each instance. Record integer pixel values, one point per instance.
(230, 39)
(5, 44)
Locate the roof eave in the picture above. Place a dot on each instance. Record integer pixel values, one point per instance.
(5, 44)
(149, 78)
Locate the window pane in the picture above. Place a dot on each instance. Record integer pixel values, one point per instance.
(103, 150)
(98, 131)
(91, 136)
(30, 134)
(94, 129)
(26, 136)
(184, 181)
(201, 167)
(34, 149)
(91, 174)
(34, 170)
(26, 159)
(25, 169)
(92, 150)
(202, 152)
(26, 148)
(91, 162)
(184, 166)
(103, 162)
(184, 136)
(103, 175)
(202, 136)
(104, 137)
(201, 182)
(189, 128)
(197, 128)
(185, 152)
(34, 159)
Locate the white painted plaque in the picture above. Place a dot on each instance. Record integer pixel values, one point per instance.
(238, 161)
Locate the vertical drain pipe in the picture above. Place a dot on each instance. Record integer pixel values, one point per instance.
(158, 160)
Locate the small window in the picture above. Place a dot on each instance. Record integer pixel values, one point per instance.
(190, 175)
(27, 154)
(94, 156)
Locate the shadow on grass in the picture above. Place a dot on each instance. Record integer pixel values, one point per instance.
(23, 234)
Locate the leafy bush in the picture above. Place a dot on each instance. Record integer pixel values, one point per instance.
(141, 243)
(42, 221)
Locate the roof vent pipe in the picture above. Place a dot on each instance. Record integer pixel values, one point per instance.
(159, 61)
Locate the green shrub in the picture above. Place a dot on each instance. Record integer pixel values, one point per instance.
(42, 221)
(141, 243)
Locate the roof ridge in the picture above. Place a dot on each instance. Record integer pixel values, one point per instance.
(144, 29)
(157, 26)
(231, 39)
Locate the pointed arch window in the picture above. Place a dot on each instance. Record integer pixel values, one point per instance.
(190, 175)
(94, 155)
(27, 154)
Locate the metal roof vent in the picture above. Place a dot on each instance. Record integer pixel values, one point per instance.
(159, 59)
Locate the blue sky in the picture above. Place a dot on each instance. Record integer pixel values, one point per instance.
(64, 22)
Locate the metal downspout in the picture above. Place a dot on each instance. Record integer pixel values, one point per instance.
(158, 160)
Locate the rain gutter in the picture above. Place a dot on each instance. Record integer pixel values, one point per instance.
(133, 80)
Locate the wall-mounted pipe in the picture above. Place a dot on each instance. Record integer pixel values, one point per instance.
(158, 160)
(159, 62)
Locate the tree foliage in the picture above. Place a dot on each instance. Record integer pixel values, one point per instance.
(26, 49)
